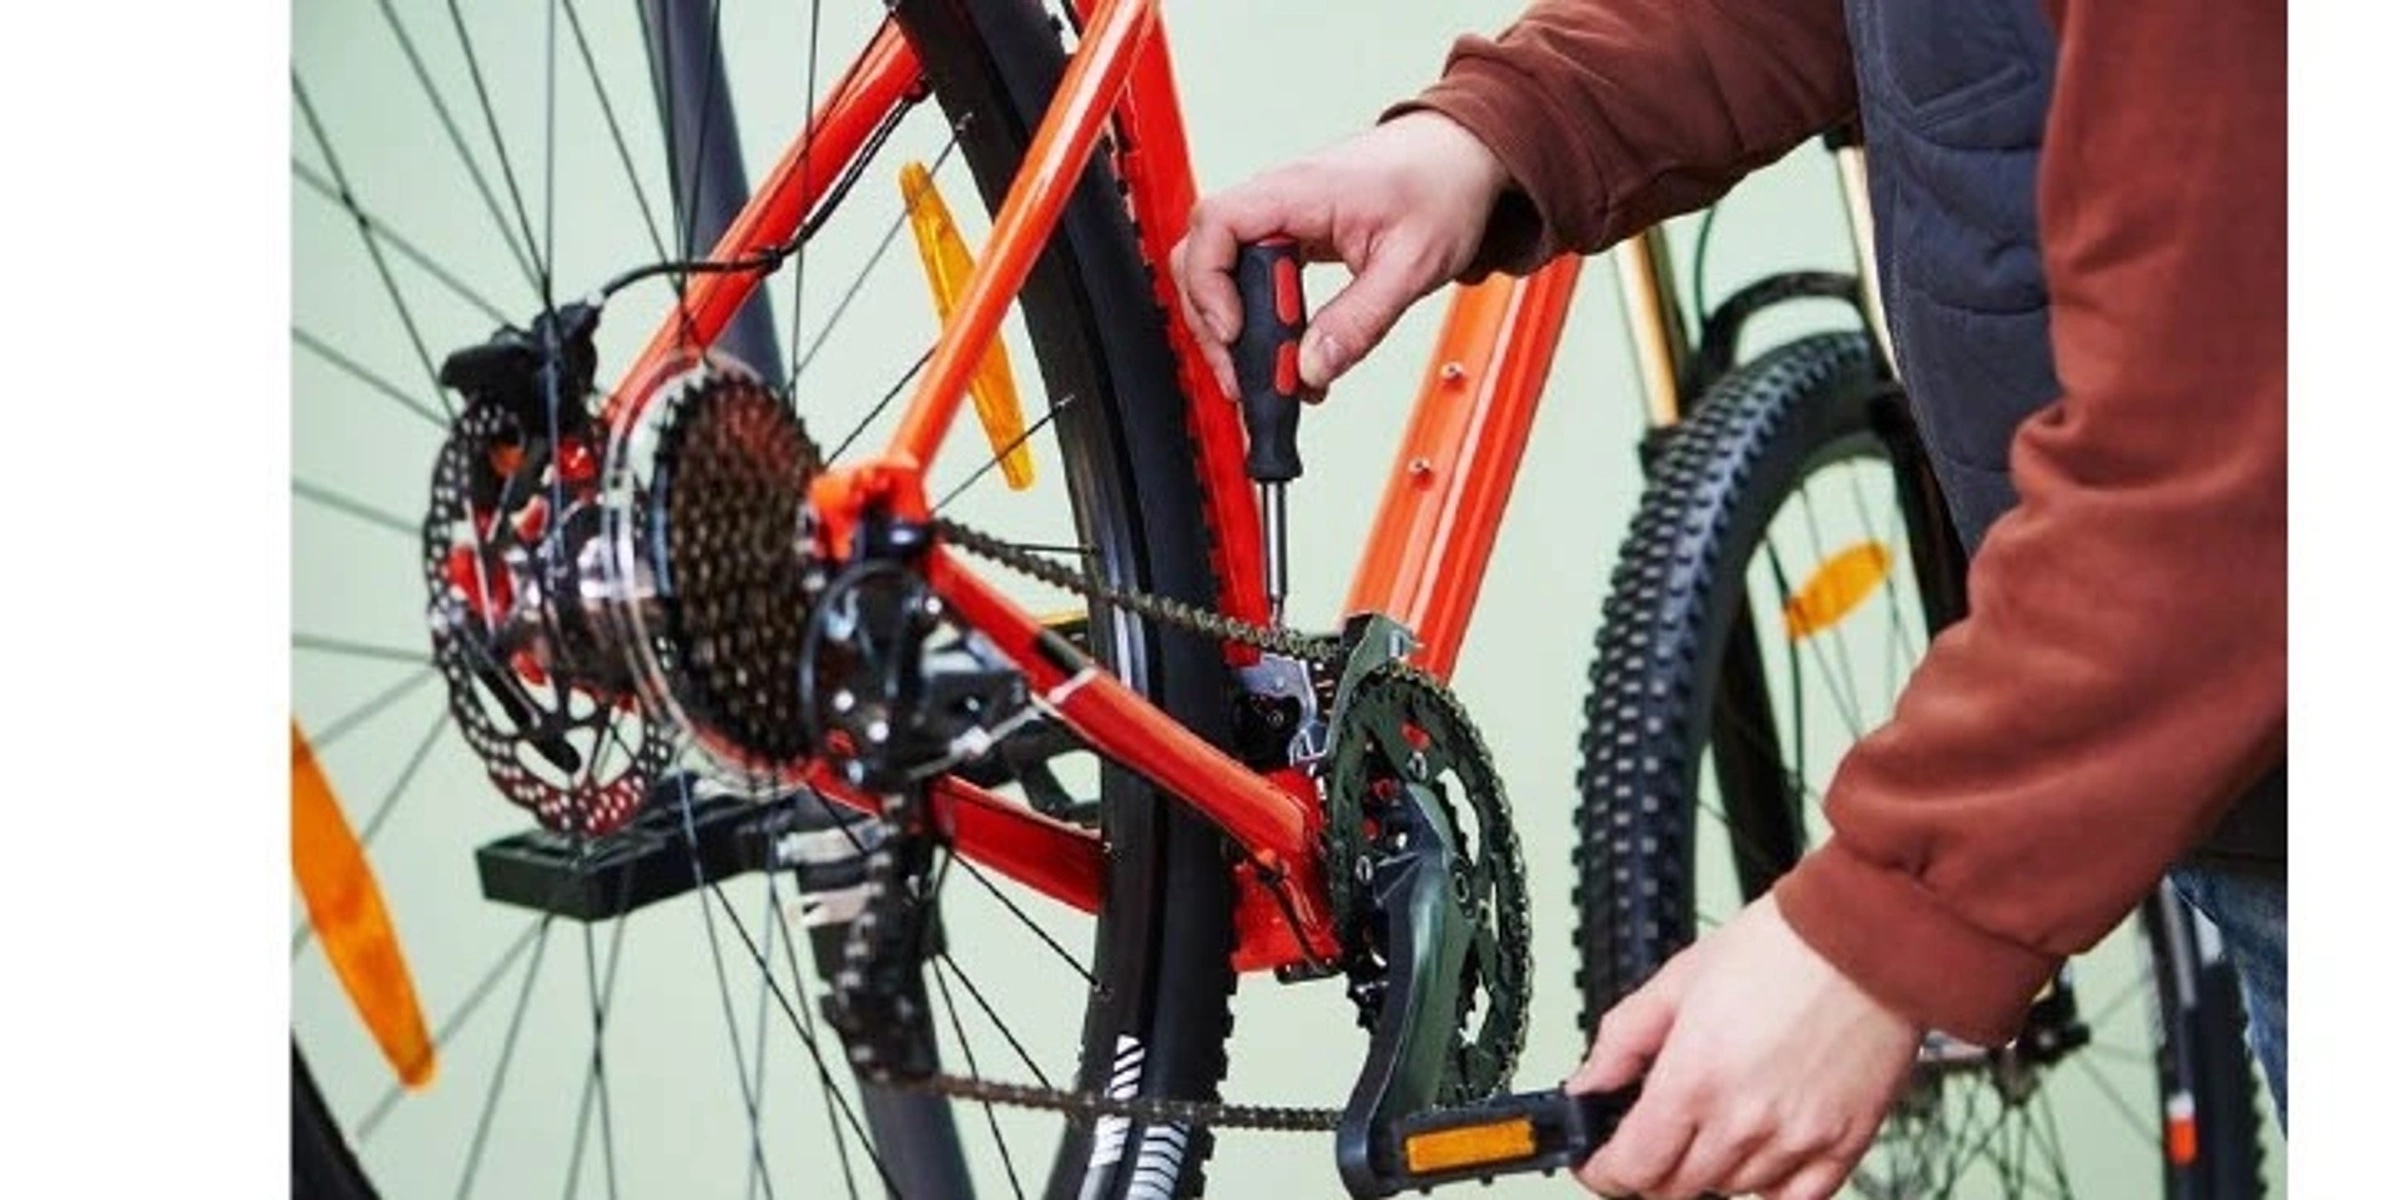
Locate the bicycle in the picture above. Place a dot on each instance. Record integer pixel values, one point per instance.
(644, 660)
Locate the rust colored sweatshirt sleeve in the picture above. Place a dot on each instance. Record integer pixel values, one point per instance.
(2121, 676)
(1612, 115)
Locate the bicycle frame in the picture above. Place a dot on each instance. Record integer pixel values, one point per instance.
(1431, 538)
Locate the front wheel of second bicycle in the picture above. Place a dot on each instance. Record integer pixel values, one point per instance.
(1787, 566)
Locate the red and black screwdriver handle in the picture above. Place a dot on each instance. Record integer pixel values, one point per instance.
(1266, 355)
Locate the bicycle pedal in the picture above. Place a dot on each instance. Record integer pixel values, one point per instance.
(1509, 1135)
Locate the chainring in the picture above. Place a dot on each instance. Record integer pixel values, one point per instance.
(1400, 728)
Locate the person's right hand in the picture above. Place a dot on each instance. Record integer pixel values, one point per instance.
(1403, 205)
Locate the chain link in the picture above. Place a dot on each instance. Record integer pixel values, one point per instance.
(1316, 650)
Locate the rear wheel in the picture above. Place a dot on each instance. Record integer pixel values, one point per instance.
(528, 169)
(1787, 566)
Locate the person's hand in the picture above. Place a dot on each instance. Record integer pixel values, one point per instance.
(1767, 1070)
(1403, 205)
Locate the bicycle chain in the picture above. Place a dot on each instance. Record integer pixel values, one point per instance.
(1320, 651)
(1316, 651)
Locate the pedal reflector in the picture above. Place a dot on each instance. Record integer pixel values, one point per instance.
(947, 268)
(1465, 1146)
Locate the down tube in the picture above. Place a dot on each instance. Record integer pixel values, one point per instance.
(1433, 534)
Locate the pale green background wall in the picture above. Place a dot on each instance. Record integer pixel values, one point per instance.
(1264, 80)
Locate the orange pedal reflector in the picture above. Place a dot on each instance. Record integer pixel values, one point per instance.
(947, 268)
(1835, 588)
(345, 907)
(1501, 1141)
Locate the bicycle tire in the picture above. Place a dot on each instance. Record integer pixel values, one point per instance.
(1157, 1015)
(1678, 682)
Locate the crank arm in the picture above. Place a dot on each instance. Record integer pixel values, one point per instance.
(1425, 944)
(1392, 1138)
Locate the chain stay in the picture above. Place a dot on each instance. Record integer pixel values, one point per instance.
(1319, 651)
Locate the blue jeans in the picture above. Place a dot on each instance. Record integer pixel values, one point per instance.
(2249, 912)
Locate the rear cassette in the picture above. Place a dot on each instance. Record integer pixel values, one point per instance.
(710, 568)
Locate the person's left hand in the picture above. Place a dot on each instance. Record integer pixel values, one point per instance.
(1767, 1070)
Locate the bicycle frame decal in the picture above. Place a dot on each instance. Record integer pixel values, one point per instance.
(1423, 564)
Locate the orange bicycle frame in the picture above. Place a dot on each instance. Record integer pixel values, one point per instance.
(1432, 536)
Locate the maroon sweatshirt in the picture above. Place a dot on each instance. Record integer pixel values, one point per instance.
(2120, 678)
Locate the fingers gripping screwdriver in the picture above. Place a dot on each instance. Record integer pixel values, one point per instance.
(1266, 366)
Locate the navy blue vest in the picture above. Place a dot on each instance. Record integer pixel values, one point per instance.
(1953, 96)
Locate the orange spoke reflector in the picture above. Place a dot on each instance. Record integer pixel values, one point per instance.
(1837, 587)
(947, 268)
(346, 910)
(1469, 1146)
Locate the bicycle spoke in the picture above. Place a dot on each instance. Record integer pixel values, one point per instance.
(508, 1054)
(1009, 1035)
(352, 649)
(2142, 1130)
(383, 268)
(716, 955)
(333, 731)
(976, 873)
(758, 1044)
(791, 954)
(808, 1040)
(2057, 1157)
(1003, 453)
(549, 144)
(991, 1117)
(343, 503)
(457, 1019)
(808, 146)
(595, 1079)
(891, 234)
(491, 125)
(351, 367)
(880, 405)
(2137, 986)
(616, 133)
(458, 141)
(1840, 631)
(407, 249)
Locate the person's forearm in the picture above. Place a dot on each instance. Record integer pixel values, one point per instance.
(2120, 677)
(1612, 115)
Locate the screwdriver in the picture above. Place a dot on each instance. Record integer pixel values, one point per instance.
(1266, 366)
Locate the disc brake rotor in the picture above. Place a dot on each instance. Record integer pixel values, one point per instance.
(532, 683)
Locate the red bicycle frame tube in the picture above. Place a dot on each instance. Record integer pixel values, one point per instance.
(1062, 144)
(1441, 510)
(1424, 563)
